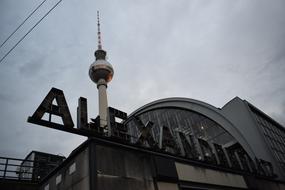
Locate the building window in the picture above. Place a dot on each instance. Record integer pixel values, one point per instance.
(72, 168)
(46, 187)
(58, 179)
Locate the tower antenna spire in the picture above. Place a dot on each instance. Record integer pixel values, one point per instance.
(99, 32)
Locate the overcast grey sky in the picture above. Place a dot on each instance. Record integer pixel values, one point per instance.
(206, 50)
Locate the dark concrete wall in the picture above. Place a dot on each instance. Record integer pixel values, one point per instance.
(78, 180)
(261, 184)
(17, 185)
(121, 169)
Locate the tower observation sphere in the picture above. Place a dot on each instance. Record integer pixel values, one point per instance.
(101, 69)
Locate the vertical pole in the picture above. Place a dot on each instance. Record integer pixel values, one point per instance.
(5, 170)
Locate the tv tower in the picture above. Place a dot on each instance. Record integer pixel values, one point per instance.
(101, 72)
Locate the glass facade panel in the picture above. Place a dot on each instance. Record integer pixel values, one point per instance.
(183, 120)
(274, 136)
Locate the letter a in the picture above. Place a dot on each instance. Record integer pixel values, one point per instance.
(61, 110)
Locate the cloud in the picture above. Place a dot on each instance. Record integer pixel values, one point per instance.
(31, 68)
(280, 116)
(5, 97)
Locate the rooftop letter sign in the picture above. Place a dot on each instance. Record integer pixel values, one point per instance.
(54, 104)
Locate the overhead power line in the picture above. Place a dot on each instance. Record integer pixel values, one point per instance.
(29, 31)
(23, 22)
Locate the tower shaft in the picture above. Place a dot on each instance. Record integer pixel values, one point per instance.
(103, 102)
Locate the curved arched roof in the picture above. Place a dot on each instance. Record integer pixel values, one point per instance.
(202, 108)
